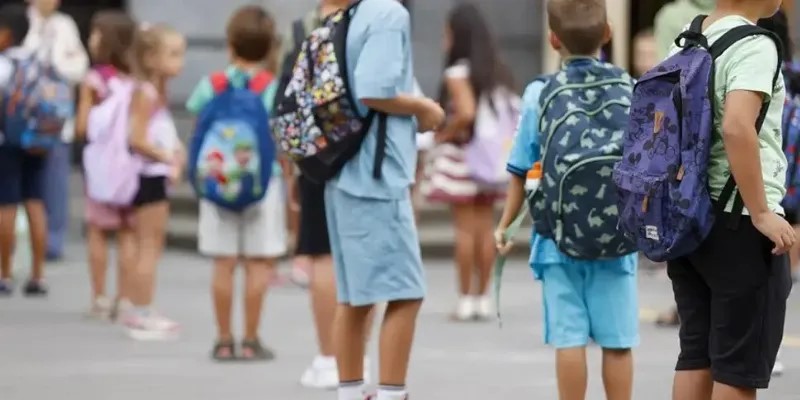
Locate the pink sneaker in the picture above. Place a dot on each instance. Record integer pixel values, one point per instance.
(150, 327)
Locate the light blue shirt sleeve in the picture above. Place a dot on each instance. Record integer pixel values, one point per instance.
(525, 150)
(201, 95)
(380, 69)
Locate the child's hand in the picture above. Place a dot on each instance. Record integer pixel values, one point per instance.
(775, 227)
(430, 115)
(175, 174)
(503, 246)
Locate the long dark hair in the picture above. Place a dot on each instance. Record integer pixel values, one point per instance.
(473, 41)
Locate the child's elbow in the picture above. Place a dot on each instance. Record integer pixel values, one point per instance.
(733, 128)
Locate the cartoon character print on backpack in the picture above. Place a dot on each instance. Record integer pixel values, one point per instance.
(228, 164)
(320, 95)
(584, 112)
(38, 104)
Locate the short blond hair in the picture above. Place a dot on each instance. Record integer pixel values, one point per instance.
(147, 42)
(580, 25)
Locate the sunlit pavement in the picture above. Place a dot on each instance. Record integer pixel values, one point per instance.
(48, 350)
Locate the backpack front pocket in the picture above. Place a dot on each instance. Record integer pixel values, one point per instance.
(642, 202)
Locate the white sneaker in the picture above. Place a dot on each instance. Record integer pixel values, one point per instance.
(484, 307)
(122, 307)
(150, 326)
(777, 370)
(100, 309)
(466, 308)
(321, 374)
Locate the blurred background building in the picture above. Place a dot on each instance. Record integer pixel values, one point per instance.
(519, 25)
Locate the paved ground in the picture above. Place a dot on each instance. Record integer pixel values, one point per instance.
(47, 350)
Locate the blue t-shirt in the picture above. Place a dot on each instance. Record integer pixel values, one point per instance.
(525, 152)
(379, 65)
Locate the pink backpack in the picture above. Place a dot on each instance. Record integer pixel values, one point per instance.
(495, 127)
(111, 169)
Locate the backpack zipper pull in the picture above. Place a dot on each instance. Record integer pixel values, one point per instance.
(681, 172)
(645, 203)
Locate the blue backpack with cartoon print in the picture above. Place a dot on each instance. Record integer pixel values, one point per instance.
(232, 153)
(36, 103)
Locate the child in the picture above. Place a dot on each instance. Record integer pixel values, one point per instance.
(371, 221)
(257, 236)
(157, 56)
(731, 291)
(55, 37)
(644, 52)
(111, 37)
(577, 307)
(22, 179)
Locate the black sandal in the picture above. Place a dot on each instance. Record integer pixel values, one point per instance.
(252, 350)
(224, 351)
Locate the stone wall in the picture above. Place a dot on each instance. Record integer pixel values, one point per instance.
(517, 24)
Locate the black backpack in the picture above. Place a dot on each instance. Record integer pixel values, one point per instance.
(316, 120)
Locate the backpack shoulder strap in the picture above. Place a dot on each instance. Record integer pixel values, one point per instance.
(260, 81)
(298, 32)
(219, 81)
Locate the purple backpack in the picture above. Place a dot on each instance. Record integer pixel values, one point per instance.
(662, 179)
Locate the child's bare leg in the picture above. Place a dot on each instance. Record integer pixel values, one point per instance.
(126, 261)
(397, 336)
(484, 245)
(222, 292)
(323, 302)
(151, 222)
(692, 385)
(37, 225)
(463, 217)
(257, 272)
(8, 218)
(98, 260)
(618, 373)
(571, 373)
(349, 341)
(726, 392)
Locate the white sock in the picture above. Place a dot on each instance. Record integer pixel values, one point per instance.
(351, 390)
(391, 393)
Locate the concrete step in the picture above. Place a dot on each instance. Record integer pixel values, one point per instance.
(436, 240)
(184, 202)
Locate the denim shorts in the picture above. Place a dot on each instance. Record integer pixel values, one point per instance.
(375, 248)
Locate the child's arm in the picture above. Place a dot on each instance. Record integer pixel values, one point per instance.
(523, 154)
(142, 107)
(429, 114)
(462, 99)
(747, 87)
(69, 57)
(85, 103)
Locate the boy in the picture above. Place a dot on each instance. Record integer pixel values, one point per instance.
(731, 292)
(257, 236)
(371, 222)
(21, 181)
(577, 308)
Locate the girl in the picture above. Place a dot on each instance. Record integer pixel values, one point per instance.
(111, 38)
(157, 56)
(473, 68)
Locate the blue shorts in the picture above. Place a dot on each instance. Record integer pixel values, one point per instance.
(21, 176)
(594, 300)
(375, 248)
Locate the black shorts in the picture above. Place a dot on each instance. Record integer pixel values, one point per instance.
(731, 295)
(791, 216)
(312, 237)
(21, 176)
(152, 189)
